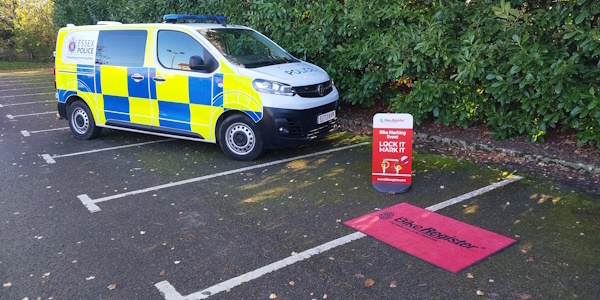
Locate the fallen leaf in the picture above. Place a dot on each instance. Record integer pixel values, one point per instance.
(111, 286)
(8, 284)
(90, 278)
(393, 284)
(292, 283)
(358, 275)
(530, 259)
(470, 276)
(162, 273)
(190, 236)
(479, 293)
(369, 282)
(523, 251)
(273, 296)
(523, 296)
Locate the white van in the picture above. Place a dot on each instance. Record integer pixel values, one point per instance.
(207, 82)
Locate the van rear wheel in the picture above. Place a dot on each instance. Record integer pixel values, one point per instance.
(240, 138)
(81, 121)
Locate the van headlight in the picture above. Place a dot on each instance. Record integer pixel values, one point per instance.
(272, 87)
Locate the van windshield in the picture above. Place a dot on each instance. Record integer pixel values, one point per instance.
(246, 48)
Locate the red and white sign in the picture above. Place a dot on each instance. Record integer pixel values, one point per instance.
(392, 152)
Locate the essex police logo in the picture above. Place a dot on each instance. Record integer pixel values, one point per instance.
(72, 45)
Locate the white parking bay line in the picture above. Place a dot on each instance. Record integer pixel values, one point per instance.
(28, 133)
(170, 293)
(23, 95)
(26, 82)
(28, 88)
(50, 158)
(29, 115)
(90, 204)
(26, 103)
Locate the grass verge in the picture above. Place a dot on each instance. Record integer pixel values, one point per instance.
(10, 66)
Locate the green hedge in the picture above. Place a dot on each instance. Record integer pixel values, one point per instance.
(519, 67)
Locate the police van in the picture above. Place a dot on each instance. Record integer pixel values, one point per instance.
(203, 81)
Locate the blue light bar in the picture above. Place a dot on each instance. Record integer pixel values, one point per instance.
(173, 18)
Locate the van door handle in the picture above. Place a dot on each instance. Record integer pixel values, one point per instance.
(137, 77)
(159, 79)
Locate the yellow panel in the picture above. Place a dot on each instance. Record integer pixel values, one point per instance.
(149, 48)
(63, 81)
(100, 101)
(216, 112)
(140, 110)
(174, 89)
(113, 81)
(233, 84)
(59, 42)
(200, 119)
(90, 100)
(155, 114)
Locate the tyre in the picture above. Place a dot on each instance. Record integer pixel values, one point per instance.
(240, 138)
(82, 122)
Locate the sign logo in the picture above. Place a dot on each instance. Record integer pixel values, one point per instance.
(386, 215)
(72, 45)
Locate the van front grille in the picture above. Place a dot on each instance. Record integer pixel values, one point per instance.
(315, 90)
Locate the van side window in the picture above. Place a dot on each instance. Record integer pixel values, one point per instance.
(175, 49)
(124, 48)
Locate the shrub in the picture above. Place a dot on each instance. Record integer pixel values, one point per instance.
(518, 67)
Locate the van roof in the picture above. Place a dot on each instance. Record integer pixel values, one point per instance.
(195, 26)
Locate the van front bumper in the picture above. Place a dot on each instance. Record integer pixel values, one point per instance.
(283, 128)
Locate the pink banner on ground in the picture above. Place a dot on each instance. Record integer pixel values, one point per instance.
(447, 243)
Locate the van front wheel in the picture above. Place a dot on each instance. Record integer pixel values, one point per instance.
(82, 122)
(240, 138)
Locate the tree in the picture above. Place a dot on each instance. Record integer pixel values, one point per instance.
(7, 26)
(33, 29)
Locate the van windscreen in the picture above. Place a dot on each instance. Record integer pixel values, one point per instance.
(246, 48)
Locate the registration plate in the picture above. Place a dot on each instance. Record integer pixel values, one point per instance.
(326, 117)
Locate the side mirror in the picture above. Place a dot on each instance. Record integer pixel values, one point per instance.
(197, 64)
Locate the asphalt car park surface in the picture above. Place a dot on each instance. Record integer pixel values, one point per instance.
(180, 217)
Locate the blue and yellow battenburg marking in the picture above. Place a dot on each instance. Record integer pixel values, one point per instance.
(181, 102)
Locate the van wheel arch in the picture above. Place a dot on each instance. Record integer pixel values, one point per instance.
(239, 136)
(224, 116)
(74, 98)
(70, 101)
(81, 121)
